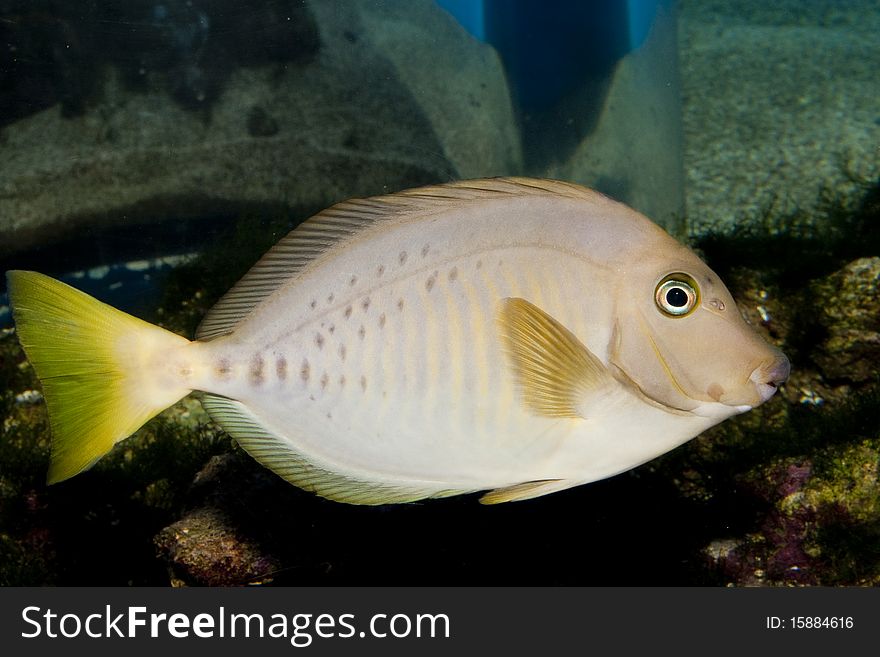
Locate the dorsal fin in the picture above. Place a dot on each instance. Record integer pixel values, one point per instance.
(335, 226)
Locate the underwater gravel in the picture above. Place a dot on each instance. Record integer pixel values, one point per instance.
(779, 107)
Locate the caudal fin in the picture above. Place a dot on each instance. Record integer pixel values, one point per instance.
(96, 365)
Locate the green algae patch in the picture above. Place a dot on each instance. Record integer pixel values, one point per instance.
(846, 480)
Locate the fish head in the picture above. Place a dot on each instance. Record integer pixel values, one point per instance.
(681, 340)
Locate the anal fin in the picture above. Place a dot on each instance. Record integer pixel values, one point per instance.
(277, 454)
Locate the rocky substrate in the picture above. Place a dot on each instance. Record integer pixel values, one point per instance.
(779, 107)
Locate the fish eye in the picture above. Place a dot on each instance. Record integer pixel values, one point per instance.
(677, 295)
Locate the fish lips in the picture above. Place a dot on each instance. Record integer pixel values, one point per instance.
(769, 376)
(765, 381)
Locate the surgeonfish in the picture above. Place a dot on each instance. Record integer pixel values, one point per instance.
(515, 335)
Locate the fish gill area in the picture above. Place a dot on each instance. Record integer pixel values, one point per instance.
(784, 495)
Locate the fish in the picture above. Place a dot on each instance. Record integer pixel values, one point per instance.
(511, 336)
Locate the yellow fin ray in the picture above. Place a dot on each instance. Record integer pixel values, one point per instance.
(554, 369)
(526, 491)
(88, 357)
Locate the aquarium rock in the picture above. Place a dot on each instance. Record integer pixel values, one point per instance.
(848, 302)
(373, 109)
(635, 149)
(204, 549)
(213, 543)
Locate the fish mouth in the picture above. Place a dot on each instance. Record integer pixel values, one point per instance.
(769, 376)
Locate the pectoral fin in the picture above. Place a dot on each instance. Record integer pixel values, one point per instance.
(554, 370)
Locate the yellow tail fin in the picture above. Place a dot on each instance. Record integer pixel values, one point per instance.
(97, 366)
